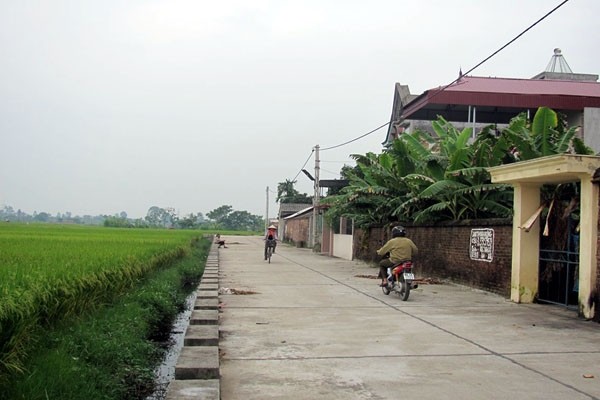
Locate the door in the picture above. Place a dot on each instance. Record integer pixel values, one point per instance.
(559, 266)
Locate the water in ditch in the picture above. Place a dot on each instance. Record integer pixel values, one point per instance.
(165, 373)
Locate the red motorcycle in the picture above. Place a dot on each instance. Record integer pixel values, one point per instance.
(400, 280)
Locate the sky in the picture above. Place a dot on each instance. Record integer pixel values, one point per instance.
(110, 106)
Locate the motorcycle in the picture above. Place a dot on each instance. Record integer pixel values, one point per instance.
(400, 280)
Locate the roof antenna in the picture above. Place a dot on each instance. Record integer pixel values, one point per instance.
(558, 63)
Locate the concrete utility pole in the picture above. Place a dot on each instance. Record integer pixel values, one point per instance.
(315, 228)
(267, 212)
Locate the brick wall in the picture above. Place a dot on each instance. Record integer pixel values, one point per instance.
(296, 231)
(444, 253)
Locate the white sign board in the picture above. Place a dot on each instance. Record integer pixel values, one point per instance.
(482, 245)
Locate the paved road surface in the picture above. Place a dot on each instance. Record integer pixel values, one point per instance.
(315, 329)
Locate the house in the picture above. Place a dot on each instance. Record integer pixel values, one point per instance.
(481, 101)
(286, 210)
(298, 226)
(474, 101)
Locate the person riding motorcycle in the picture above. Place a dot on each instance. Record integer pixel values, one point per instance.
(400, 249)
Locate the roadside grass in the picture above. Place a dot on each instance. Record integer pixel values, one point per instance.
(112, 352)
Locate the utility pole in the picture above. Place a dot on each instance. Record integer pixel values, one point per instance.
(315, 227)
(267, 212)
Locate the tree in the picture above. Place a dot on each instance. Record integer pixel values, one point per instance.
(165, 217)
(116, 222)
(42, 217)
(286, 193)
(154, 215)
(225, 217)
(285, 190)
(219, 214)
(422, 177)
(243, 221)
(188, 222)
(170, 217)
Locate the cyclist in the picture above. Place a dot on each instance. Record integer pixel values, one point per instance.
(270, 238)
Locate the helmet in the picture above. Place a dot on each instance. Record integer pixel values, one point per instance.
(398, 231)
(272, 227)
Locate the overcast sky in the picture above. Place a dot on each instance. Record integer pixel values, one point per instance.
(110, 106)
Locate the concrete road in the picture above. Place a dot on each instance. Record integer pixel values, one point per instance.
(313, 328)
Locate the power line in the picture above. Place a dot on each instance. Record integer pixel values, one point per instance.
(457, 79)
(355, 139)
(501, 48)
(330, 172)
(304, 165)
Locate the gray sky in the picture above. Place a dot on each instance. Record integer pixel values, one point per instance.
(109, 106)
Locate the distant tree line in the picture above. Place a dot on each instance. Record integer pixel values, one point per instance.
(223, 217)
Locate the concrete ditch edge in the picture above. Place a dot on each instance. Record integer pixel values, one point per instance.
(197, 370)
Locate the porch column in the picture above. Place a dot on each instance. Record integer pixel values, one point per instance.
(588, 237)
(526, 244)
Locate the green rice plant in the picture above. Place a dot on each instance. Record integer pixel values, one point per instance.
(52, 272)
(107, 354)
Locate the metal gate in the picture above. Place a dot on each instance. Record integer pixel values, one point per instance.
(559, 273)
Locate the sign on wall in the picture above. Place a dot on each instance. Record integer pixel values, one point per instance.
(482, 244)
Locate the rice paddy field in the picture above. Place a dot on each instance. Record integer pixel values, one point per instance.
(51, 272)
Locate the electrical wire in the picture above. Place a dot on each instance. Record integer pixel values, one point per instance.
(304, 165)
(330, 172)
(457, 79)
(355, 139)
(443, 88)
(500, 49)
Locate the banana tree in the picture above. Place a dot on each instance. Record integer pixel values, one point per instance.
(423, 177)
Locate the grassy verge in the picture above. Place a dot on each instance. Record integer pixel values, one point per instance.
(110, 353)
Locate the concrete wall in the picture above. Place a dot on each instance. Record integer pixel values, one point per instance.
(591, 128)
(327, 240)
(342, 246)
(444, 253)
(597, 294)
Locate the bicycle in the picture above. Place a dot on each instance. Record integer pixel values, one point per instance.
(269, 246)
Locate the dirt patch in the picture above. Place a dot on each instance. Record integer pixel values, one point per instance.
(420, 281)
(367, 276)
(428, 281)
(235, 291)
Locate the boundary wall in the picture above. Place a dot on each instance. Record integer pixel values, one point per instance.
(445, 252)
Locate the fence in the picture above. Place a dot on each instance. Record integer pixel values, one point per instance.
(473, 253)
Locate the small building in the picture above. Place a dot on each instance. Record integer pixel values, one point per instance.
(286, 210)
(297, 227)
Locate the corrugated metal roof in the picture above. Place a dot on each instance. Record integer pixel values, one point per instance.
(287, 209)
(292, 206)
(508, 93)
(300, 213)
(526, 86)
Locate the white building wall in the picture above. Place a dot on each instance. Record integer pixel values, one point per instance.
(342, 246)
(591, 128)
